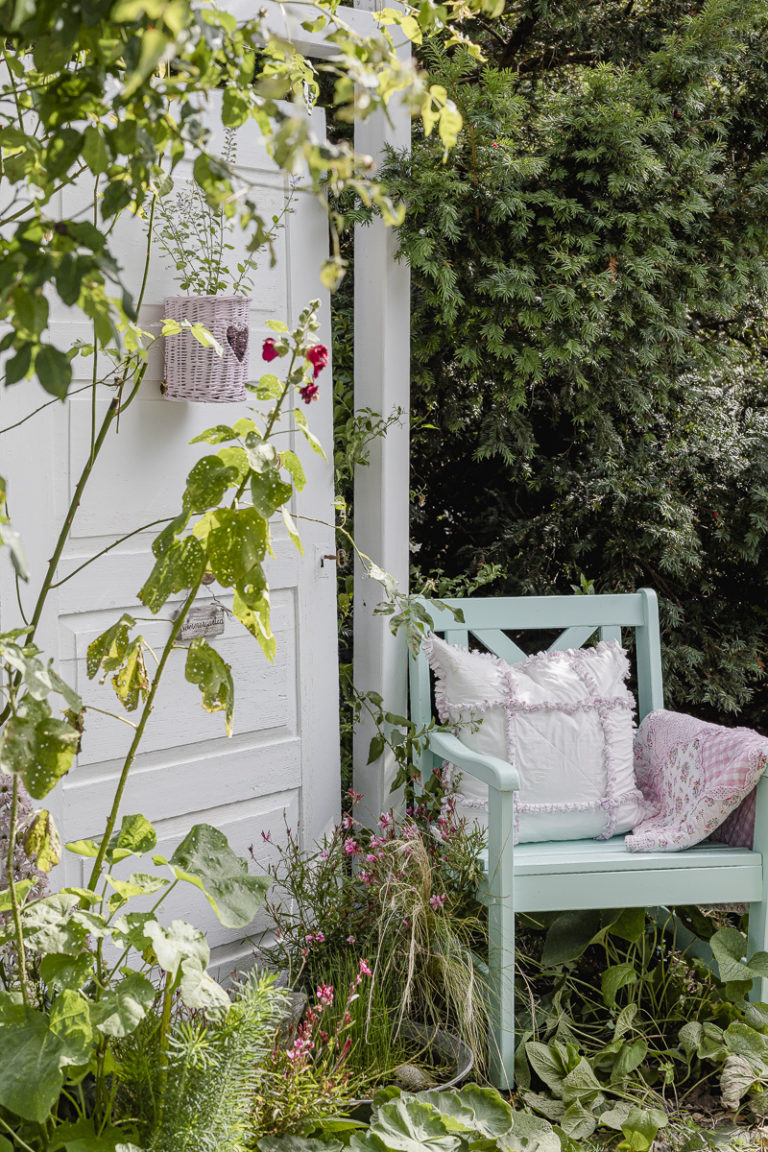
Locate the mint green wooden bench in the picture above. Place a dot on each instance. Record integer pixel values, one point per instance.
(563, 875)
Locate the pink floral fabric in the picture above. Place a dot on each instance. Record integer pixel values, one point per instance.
(699, 780)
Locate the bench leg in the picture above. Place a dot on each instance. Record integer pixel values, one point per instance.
(501, 939)
(757, 941)
(757, 936)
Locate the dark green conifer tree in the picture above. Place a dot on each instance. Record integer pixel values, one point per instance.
(590, 329)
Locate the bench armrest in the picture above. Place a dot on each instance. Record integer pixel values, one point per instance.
(490, 770)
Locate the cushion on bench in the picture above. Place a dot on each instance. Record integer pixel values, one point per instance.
(564, 719)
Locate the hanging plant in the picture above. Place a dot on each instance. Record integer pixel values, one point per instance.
(194, 236)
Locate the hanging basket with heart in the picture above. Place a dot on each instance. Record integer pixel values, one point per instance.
(194, 372)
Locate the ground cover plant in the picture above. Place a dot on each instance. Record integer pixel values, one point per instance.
(626, 1042)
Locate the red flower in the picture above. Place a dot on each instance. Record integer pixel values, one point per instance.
(318, 357)
(309, 393)
(269, 351)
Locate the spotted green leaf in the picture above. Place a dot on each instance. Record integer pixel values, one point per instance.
(215, 435)
(206, 484)
(38, 747)
(269, 492)
(42, 842)
(205, 859)
(236, 543)
(175, 570)
(131, 682)
(107, 651)
(293, 466)
(213, 676)
(254, 614)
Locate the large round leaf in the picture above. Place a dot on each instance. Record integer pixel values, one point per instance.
(30, 1069)
(205, 859)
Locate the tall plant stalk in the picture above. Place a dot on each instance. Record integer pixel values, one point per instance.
(98, 864)
(116, 406)
(18, 931)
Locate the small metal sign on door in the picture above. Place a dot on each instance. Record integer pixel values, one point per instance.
(203, 620)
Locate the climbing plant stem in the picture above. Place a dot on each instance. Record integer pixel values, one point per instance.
(18, 931)
(98, 863)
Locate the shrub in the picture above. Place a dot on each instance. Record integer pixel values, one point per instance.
(590, 275)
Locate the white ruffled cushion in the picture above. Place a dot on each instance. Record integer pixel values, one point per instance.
(564, 719)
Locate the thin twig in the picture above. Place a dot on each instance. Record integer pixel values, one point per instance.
(109, 547)
(113, 715)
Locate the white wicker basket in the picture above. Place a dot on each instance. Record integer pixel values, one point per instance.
(193, 372)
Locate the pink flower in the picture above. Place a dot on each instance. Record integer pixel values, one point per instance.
(385, 820)
(346, 821)
(324, 855)
(351, 847)
(364, 969)
(318, 358)
(325, 995)
(437, 901)
(269, 351)
(351, 940)
(266, 837)
(309, 393)
(300, 1046)
(371, 858)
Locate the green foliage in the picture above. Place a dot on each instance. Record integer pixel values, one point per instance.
(205, 859)
(87, 93)
(209, 1073)
(206, 668)
(467, 1120)
(621, 1030)
(35, 743)
(192, 233)
(81, 1014)
(589, 342)
(397, 898)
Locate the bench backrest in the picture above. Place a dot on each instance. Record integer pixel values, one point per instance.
(488, 619)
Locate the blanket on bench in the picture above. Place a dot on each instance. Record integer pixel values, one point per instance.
(698, 780)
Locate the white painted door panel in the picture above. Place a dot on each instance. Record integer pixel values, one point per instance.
(283, 757)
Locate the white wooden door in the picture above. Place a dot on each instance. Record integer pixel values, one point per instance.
(282, 763)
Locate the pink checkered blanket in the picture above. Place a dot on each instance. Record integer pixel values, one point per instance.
(698, 780)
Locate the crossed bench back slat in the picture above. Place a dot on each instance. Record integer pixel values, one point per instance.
(580, 618)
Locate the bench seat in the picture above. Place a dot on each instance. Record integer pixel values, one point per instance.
(557, 876)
